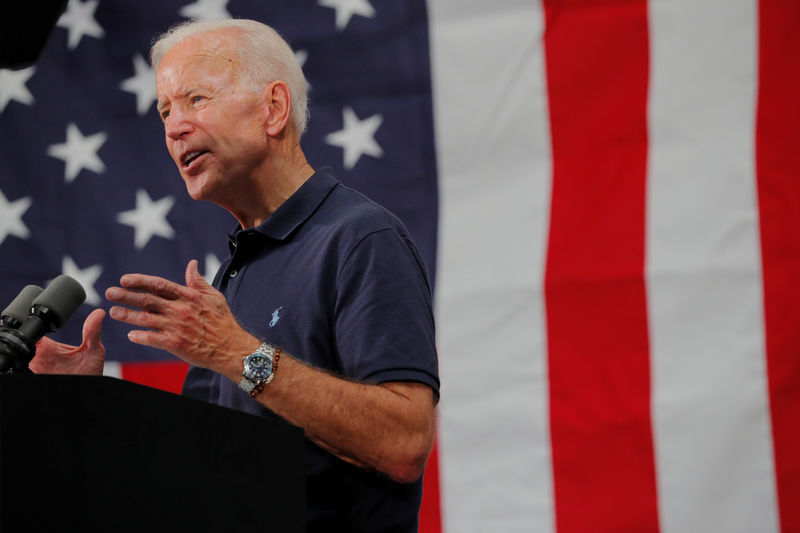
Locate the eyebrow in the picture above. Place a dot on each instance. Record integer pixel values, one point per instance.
(160, 104)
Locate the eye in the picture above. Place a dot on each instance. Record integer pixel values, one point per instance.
(164, 114)
(197, 98)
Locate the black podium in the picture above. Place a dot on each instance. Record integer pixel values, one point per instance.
(83, 454)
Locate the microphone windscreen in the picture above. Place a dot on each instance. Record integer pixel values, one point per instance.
(20, 307)
(62, 297)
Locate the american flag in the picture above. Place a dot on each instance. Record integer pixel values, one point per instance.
(608, 192)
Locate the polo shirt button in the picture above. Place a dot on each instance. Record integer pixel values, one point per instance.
(233, 273)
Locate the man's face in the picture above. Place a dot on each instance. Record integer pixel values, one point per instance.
(214, 126)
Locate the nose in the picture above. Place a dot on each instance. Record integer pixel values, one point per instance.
(177, 124)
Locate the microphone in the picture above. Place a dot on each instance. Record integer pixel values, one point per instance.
(18, 310)
(49, 310)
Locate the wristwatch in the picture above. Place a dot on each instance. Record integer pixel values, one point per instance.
(259, 368)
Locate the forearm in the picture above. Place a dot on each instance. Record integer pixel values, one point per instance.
(388, 427)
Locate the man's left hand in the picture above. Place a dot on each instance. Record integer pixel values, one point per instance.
(191, 321)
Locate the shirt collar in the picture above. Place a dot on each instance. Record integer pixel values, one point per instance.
(295, 210)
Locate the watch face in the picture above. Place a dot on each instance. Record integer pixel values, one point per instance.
(258, 367)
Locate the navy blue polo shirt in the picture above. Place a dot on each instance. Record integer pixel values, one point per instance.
(334, 280)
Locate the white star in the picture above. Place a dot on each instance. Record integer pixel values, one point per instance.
(212, 265)
(11, 217)
(79, 21)
(345, 9)
(12, 86)
(79, 152)
(87, 277)
(206, 10)
(356, 137)
(148, 219)
(142, 84)
(301, 56)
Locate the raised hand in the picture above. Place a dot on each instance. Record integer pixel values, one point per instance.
(191, 321)
(57, 358)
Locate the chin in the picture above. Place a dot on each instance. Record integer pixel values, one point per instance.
(196, 188)
(197, 195)
(206, 186)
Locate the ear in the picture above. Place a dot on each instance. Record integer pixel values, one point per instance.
(279, 107)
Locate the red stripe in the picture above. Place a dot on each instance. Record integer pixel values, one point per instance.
(430, 515)
(165, 375)
(597, 74)
(778, 171)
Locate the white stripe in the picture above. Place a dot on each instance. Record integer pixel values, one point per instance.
(495, 172)
(112, 369)
(712, 433)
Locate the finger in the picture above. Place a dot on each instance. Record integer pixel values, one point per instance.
(138, 318)
(157, 339)
(191, 269)
(45, 344)
(142, 300)
(154, 285)
(193, 278)
(92, 330)
(47, 348)
(197, 282)
(147, 338)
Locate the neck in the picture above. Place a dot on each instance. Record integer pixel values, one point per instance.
(283, 173)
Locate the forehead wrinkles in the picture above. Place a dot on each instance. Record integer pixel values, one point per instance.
(198, 58)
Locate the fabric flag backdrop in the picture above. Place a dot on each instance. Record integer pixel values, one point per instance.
(615, 192)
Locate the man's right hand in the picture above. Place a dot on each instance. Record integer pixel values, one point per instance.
(57, 358)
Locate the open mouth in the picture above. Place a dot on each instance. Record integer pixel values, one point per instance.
(190, 157)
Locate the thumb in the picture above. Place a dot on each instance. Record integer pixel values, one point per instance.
(92, 329)
(193, 278)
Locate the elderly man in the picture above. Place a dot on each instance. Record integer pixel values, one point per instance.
(322, 313)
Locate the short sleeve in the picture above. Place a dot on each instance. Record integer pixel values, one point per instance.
(383, 325)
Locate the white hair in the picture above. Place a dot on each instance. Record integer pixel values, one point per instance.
(265, 57)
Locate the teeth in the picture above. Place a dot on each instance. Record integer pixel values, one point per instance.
(188, 158)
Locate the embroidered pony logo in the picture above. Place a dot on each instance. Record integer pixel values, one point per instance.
(275, 316)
